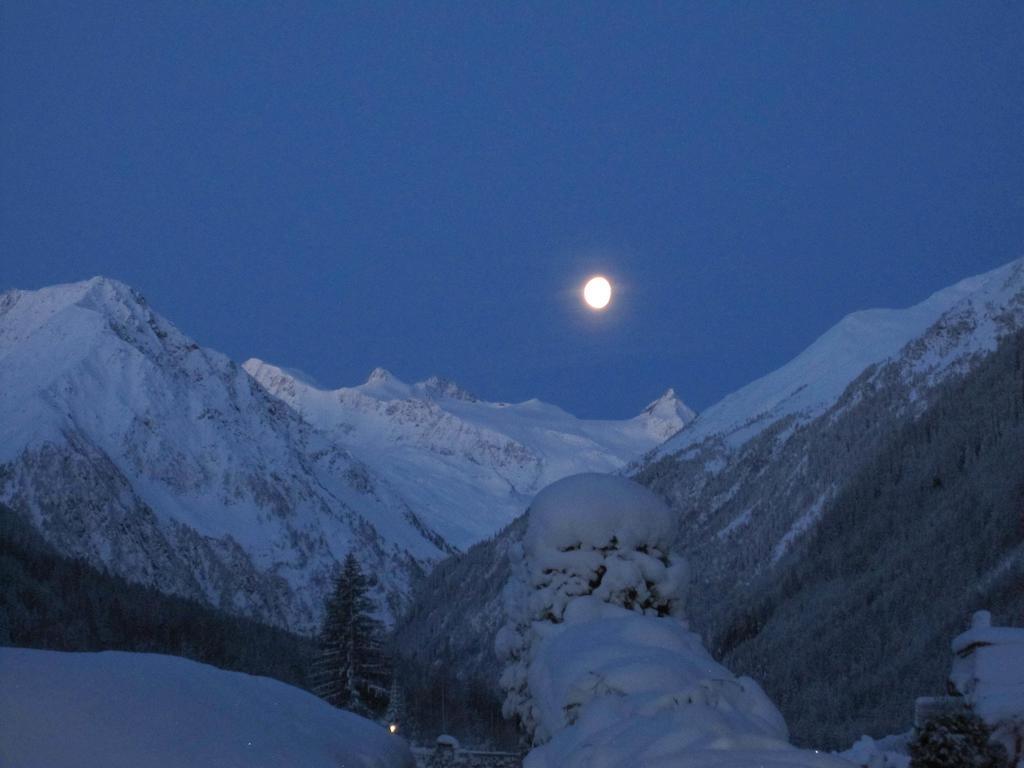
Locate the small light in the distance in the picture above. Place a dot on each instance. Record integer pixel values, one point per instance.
(393, 728)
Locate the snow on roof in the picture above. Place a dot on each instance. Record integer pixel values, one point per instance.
(592, 509)
(982, 633)
(988, 669)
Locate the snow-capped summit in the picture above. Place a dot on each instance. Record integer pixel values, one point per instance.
(467, 466)
(380, 376)
(437, 386)
(667, 415)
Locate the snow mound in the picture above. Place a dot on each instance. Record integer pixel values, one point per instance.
(658, 663)
(131, 710)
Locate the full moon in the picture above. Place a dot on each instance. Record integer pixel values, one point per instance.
(597, 292)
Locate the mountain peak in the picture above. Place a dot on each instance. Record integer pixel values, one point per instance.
(380, 376)
(667, 415)
(438, 386)
(76, 315)
(669, 402)
(667, 396)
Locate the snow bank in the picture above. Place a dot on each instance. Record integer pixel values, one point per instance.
(603, 670)
(628, 690)
(131, 710)
(888, 752)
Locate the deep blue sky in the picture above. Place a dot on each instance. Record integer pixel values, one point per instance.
(424, 187)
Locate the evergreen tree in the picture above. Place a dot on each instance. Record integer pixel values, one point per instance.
(956, 741)
(351, 670)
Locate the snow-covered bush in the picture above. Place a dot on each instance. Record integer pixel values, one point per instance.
(590, 536)
(601, 668)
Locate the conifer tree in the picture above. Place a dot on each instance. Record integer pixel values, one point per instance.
(351, 670)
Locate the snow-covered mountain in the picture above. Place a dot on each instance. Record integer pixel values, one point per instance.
(948, 329)
(468, 467)
(760, 466)
(129, 445)
(133, 447)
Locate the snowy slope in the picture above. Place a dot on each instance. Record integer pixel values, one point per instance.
(468, 466)
(132, 710)
(761, 465)
(133, 447)
(968, 317)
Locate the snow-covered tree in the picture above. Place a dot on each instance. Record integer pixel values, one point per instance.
(601, 667)
(351, 670)
(956, 741)
(593, 536)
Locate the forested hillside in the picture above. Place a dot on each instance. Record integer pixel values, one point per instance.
(51, 602)
(856, 620)
(444, 644)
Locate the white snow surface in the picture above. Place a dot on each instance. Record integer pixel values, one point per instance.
(468, 467)
(133, 710)
(962, 319)
(888, 752)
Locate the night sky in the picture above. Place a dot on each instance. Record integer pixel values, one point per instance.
(424, 187)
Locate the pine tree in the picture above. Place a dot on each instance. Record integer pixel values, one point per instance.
(351, 670)
(956, 741)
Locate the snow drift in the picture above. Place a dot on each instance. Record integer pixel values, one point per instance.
(132, 710)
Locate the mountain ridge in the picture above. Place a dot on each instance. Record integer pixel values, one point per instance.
(473, 464)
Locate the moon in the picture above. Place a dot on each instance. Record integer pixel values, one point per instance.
(597, 292)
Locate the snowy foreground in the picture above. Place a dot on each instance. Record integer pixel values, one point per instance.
(133, 710)
(601, 668)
